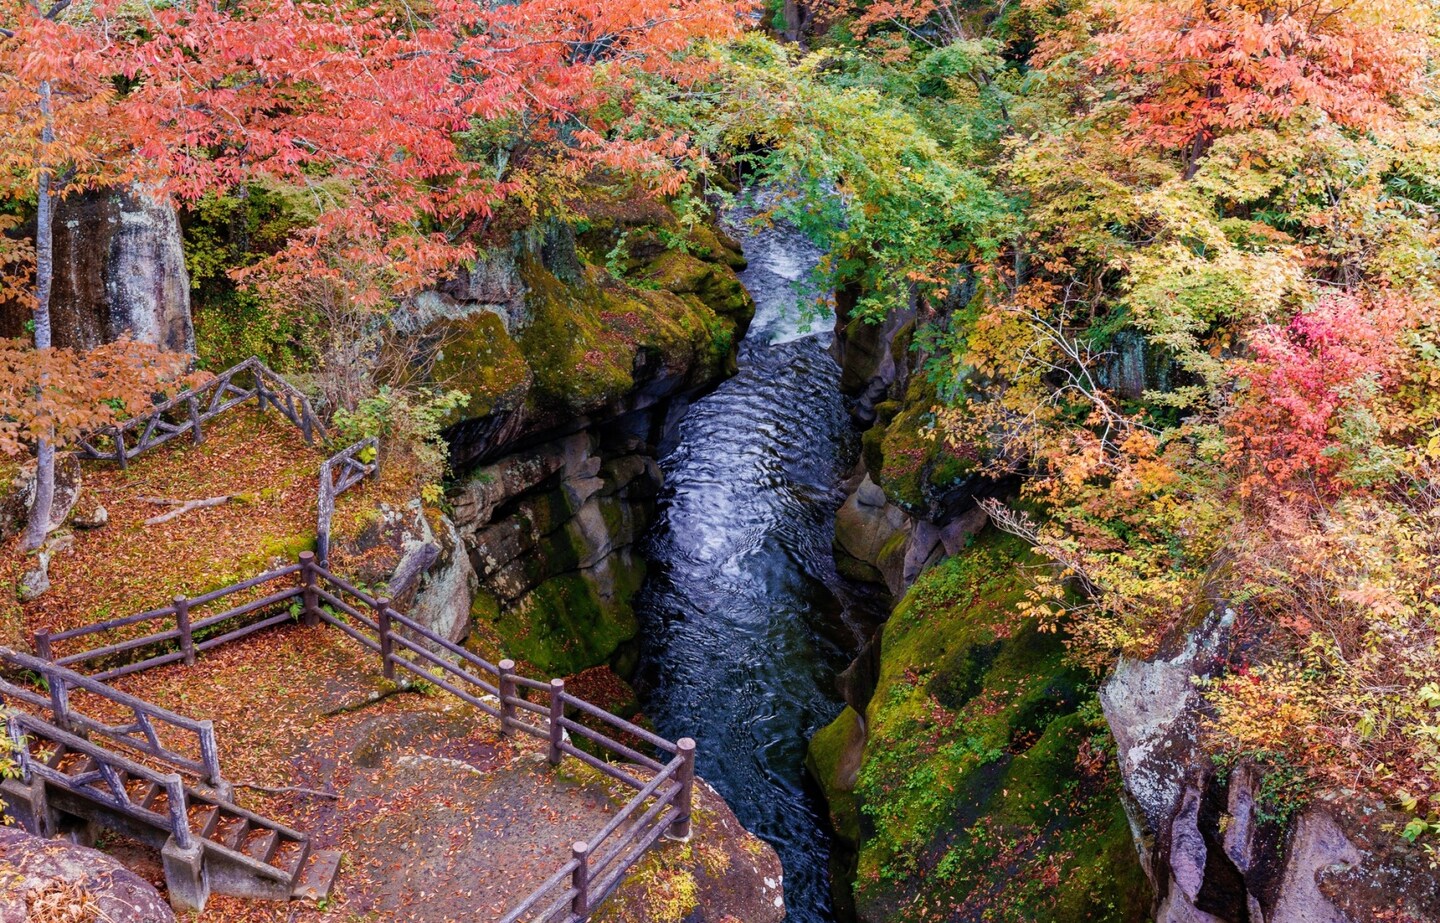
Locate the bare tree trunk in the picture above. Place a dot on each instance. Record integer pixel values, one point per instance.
(39, 523)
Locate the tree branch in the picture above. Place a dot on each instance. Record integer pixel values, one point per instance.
(181, 507)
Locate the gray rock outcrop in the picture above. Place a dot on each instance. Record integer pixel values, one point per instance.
(1212, 852)
(119, 269)
(29, 865)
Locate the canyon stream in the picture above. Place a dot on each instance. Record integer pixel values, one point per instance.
(745, 622)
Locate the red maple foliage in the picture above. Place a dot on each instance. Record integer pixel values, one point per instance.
(1299, 382)
(1203, 67)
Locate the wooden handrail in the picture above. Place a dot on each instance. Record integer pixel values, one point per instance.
(139, 735)
(351, 472)
(496, 689)
(108, 767)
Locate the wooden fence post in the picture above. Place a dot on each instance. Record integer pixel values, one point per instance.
(580, 880)
(260, 393)
(42, 646)
(209, 752)
(557, 713)
(507, 696)
(194, 406)
(182, 621)
(59, 699)
(387, 644)
(179, 816)
(680, 829)
(120, 447)
(309, 596)
(324, 512)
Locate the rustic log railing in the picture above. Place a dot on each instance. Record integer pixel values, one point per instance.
(143, 733)
(186, 635)
(661, 804)
(96, 764)
(188, 411)
(339, 473)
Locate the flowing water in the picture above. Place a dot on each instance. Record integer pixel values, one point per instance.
(744, 619)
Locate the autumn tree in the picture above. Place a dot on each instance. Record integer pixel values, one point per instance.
(1198, 69)
(61, 131)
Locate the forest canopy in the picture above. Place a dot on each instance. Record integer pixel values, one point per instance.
(1174, 263)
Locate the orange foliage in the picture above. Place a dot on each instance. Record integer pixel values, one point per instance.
(1203, 68)
(60, 394)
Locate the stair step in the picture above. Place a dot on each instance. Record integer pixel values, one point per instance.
(232, 831)
(54, 759)
(203, 819)
(147, 794)
(318, 876)
(260, 844)
(290, 855)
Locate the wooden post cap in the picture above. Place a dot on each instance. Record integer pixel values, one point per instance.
(579, 848)
(685, 745)
(507, 665)
(557, 684)
(306, 557)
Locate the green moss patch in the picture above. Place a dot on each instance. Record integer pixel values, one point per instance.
(987, 788)
(571, 622)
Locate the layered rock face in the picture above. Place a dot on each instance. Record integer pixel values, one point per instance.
(575, 373)
(119, 269)
(1216, 846)
(910, 501)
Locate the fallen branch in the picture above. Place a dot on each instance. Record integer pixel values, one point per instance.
(285, 789)
(181, 507)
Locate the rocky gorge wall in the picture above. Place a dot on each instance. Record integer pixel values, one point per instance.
(1221, 844)
(977, 775)
(576, 366)
(970, 774)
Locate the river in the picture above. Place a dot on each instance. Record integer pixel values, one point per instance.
(745, 622)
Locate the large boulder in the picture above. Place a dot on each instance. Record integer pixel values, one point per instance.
(119, 269)
(1212, 849)
(34, 871)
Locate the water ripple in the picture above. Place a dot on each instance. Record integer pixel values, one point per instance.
(745, 622)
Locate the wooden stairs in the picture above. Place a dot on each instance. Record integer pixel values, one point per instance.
(70, 784)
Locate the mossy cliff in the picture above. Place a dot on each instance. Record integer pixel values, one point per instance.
(578, 347)
(912, 498)
(971, 776)
(979, 781)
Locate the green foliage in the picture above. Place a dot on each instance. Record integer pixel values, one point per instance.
(405, 420)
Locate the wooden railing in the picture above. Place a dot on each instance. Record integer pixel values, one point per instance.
(107, 767)
(663, 785)
(143, 732)
(188, 411)
(184, 635)
(339, 473)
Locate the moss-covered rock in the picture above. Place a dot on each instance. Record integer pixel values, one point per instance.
(478, 356)
(572, 621)
(986, 783)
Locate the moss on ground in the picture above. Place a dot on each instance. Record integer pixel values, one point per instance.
(987, 785)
